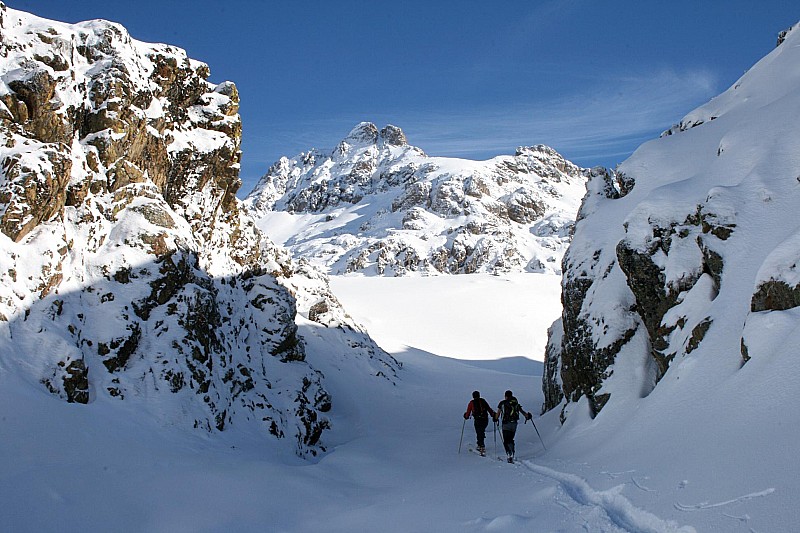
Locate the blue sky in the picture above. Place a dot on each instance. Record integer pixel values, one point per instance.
(591, 78)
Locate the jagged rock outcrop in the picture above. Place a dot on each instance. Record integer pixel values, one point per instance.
(378, 205)
(681, 253)
(128, 270)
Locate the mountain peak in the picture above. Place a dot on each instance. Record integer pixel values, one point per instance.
(363, 133)
(393, 135)
(367, 133)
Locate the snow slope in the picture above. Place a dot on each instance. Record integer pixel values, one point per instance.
(515, 312)
(393, 464)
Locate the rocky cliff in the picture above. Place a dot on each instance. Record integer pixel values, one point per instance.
(128, 270)
(377, 205)
(684, 260)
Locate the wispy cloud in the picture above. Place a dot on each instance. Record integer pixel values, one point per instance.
(601, 121)
(602, 118)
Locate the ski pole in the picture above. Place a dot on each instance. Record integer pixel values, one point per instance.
(462, 435)
(495, 437)
(502, 439)
(537, 432)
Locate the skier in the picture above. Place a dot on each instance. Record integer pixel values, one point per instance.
(508, 411)
(480, 411)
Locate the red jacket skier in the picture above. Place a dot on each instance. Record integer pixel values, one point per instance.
(479, 409)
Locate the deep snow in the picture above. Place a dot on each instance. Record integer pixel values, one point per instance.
(394, 463)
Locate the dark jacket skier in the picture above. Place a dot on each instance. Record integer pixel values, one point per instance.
(480, 411)
(508, 412)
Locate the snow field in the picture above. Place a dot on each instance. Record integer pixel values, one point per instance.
(393, 461)
(473, 317)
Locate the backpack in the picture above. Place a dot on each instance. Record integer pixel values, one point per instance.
(510, 410)
(479, 408)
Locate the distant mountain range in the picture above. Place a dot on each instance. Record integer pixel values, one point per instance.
(379, 206)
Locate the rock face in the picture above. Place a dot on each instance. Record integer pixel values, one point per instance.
(688, 251)
(379, 206)
(128, 270)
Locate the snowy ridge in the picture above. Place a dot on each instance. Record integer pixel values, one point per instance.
(379, 206)
(750, 87)
(128, 272)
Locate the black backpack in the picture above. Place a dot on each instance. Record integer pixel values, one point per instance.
(510, 410)
(479, 408)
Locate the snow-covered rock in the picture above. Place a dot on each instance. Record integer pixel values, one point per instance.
(128, 271)
(686, 256)
(377, 205)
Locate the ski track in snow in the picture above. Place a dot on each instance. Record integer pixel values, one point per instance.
(618, 508)
(640, 486)
(705, 505)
